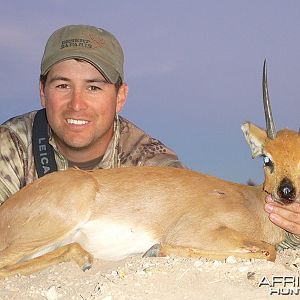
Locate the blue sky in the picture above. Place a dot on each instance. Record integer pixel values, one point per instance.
(193, 68)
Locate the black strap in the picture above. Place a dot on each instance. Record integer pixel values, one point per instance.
(43, 152)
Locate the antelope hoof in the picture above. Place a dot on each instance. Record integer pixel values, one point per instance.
(87, 264)
(86, 267)
(153, 251)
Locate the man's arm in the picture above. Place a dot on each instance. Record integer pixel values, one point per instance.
(11, 164)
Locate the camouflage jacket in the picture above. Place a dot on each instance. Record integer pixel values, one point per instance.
(130, 146)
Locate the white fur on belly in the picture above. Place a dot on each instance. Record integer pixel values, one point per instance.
(109, 240)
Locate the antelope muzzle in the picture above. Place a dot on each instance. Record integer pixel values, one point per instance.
(286, 191)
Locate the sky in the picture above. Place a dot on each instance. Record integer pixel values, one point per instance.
(193, 67)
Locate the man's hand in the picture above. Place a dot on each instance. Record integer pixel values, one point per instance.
(284, 216)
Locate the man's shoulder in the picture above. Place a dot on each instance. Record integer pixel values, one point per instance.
(127, 125)
(20, 122)
(26, 118)
(20, 126)
(139, 148)
(131, 133)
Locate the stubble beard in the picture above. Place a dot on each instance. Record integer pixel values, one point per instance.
(66, 144)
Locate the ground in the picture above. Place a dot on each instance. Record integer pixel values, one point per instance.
(160, 278)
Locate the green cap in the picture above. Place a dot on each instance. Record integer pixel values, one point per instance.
(94, 45)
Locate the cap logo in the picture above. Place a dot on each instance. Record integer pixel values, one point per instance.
(76, 43)
(93, 42)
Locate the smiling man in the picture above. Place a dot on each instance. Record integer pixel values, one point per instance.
(82, 90)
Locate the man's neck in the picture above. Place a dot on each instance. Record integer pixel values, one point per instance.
(87, 165)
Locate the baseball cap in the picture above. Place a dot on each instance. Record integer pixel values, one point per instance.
(94, 45)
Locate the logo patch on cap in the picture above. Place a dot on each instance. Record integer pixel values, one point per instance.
(76, 43)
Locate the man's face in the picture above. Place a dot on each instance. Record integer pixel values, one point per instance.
(81, 107)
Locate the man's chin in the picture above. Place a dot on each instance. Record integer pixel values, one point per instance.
(75, 143)
(77, 146)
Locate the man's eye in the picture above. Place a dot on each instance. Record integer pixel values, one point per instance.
(94, 88)
(62, 86)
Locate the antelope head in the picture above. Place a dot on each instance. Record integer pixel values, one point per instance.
(280, 152)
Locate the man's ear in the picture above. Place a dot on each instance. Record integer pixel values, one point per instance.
(255, 137)
(121, 97)
(42, 94)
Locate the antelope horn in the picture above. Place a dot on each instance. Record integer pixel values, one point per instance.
(271, 131)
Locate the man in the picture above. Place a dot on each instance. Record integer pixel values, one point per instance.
(82, 90)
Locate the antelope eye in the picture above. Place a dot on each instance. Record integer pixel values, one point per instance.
(268, 162)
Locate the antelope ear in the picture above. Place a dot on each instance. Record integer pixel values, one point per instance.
(255, 137)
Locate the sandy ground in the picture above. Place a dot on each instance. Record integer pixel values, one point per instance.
(159, 278)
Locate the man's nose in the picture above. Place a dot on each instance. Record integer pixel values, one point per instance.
(77, 101)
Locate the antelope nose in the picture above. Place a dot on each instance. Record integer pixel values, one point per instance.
(286, 190)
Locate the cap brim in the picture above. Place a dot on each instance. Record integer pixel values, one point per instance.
(102, 66)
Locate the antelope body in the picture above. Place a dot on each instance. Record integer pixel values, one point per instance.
(111, 214)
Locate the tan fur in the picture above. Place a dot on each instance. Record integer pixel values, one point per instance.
(287, 153)
(119, 212)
